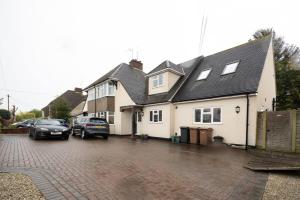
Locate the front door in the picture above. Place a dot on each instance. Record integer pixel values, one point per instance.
(134, 123)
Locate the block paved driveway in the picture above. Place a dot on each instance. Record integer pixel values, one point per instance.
(124, 169)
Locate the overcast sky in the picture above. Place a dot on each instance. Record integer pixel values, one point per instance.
(50, 46)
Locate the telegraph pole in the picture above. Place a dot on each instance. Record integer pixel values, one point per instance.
(8, 102)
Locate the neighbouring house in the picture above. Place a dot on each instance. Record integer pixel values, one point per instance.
(71, 97)
(222, 91)
(79, 110)
(101, 93)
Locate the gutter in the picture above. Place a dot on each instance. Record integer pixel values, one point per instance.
(95, 101)
(247, 121)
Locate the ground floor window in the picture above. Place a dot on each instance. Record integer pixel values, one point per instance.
(156, 116)
(108, 115)
(207, 115)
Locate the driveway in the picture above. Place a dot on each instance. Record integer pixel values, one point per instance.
(124, 169)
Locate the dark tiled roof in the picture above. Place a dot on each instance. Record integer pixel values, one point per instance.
(188, 67)
(102, 78)
(133, 80)
(72, 98)
(167, 65)
(78, 110)
(251, 57)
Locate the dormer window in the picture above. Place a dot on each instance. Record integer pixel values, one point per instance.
(230, 68)
(158, 80)
(204, 74)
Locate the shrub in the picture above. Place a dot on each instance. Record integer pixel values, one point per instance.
(4, 114)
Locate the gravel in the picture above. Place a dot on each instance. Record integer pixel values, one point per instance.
(18, 186)
(282, 186)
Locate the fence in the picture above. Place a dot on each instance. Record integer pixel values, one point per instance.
(278, 131)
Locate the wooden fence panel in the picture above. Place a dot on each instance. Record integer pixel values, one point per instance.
(298, 131)
(260, 132)
(279, 133)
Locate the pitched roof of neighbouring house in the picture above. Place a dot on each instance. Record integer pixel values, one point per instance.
(71, 97)
(78, 110)
(251, 57)
(102, 78)
(167, 65)
(133, 80)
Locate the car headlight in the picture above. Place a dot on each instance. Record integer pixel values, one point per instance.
(44, 129)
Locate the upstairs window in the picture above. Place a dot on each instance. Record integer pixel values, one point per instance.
(158, 80)
(230, 68)
(204, 74)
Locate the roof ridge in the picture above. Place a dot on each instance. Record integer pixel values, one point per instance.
(187, 77)
(118, 68)
(240, 45)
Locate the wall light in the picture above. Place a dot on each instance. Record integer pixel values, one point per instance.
(237, 109)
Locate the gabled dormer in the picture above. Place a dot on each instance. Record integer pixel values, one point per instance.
(163, 77)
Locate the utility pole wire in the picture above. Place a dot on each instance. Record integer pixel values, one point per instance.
(202, 33)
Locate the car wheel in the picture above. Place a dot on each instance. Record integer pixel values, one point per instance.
(83, 136)
(35, 136)
(66, 137)
(105, 137)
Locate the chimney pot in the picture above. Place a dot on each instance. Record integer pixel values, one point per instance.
(136, 64)
(78, 90)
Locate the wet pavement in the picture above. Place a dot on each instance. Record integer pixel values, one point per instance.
(119, 168)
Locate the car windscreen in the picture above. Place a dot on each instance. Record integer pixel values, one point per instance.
(48, 122)
(97, 120)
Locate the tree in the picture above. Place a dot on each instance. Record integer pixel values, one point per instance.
(37, 113)
(287, 59)
(4, 114)
(24, 115)
(60, 109)
(4, 117)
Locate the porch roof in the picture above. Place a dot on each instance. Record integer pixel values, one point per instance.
(131, 107)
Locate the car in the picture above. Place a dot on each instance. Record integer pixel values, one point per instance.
(90, 126)
(63, 122)
(48, 128)
(24, 124)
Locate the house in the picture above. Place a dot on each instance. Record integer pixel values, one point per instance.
(79, 110)
(101, 93)
(71, 97)
(222, 91)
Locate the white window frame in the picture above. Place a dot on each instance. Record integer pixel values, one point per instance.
(106, 115)
(139, 116)
(156, 113)
(226, 71)
(158, 79)
(211, 113)
(202, 75)
(104, 90)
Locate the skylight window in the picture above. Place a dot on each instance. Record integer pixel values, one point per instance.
(204, 74)
(230, 68)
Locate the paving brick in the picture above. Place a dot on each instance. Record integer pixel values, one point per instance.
(120, 168)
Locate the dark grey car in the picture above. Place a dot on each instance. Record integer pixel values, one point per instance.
(48, 128)
(91, 126)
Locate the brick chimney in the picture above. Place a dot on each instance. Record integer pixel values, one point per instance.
(136, 63)
(79, 90)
